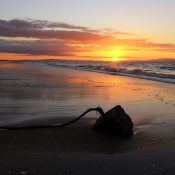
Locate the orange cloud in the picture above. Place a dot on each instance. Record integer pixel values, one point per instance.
(36, 37)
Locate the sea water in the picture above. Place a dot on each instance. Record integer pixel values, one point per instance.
(163, 71)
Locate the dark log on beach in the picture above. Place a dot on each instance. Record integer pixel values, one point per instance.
(115, 120)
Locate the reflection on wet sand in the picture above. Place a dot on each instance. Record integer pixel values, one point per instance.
(34, 91)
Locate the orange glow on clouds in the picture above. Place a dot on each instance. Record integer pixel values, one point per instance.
(75, 43)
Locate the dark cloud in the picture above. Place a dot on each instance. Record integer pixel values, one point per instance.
(66, 26)
(38, 47)
(54, 38)
(37, 24)
(45, 30)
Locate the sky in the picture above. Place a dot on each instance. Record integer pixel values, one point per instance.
(87, 29)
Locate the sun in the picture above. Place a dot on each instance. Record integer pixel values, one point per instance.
(115, 59)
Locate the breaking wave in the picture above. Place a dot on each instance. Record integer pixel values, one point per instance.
(163, 71)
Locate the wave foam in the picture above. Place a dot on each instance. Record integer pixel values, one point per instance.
(158, 71)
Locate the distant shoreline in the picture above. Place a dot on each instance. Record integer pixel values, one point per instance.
(146, 60)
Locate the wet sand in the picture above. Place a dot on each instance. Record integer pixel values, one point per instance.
(35, 94)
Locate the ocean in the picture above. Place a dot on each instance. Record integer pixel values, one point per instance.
(163, 71)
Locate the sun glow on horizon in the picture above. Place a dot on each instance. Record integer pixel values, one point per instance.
(115, 59)
(70, 32)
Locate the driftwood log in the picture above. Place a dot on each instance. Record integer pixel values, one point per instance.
(115, 120)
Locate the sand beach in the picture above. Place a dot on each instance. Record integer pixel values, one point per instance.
(32, 93)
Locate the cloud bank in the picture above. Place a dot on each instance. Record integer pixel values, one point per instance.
(38, 37)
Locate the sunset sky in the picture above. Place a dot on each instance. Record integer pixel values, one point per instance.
(87, 29)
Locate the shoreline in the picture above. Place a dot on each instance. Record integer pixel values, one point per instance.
(144, 77)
